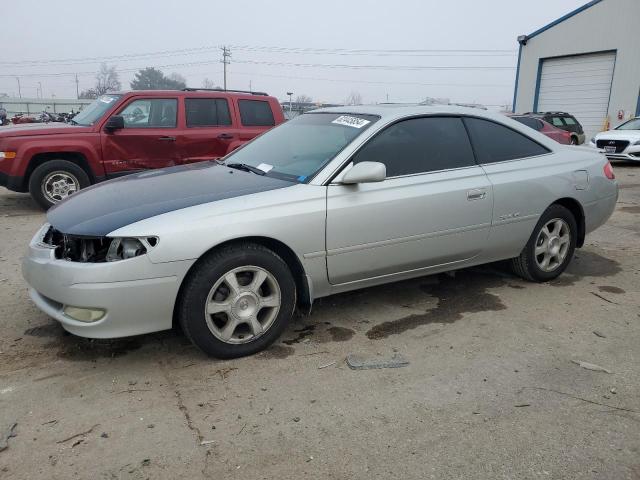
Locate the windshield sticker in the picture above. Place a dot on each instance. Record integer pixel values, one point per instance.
(265, 167)
(302, 178)
(349, 121)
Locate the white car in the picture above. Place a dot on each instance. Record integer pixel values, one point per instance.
(621, 143)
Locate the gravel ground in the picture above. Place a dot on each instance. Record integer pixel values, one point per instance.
(492, 389)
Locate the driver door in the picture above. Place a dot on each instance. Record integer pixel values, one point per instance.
(433, 209)
(148, 139)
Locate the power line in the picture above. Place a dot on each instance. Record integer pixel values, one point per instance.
(374, 67)
(249, 48)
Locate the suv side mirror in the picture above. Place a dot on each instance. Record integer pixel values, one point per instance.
(115, 122)
(365, 172)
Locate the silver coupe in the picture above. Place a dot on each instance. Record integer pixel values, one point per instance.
(335, 200)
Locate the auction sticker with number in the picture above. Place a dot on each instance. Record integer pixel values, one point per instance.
(349, 121)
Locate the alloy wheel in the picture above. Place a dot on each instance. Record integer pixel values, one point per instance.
(57, 186)
(552, 244)
(242, 305)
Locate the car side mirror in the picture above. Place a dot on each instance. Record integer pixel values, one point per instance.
(365, 172)
(115, 122)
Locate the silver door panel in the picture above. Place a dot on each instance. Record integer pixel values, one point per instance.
(406, 223)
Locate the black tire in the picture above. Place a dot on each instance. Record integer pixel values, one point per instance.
(574, 141)
(203, 277)
(526, 266)
(43, 172)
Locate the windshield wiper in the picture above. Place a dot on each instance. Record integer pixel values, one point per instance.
(246, 168)
(73, 122)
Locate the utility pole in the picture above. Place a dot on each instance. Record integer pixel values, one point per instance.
(226, 54)
(19, 90)
(290, 95)
(40, 86)
(77, 88)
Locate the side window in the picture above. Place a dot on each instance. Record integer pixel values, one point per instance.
(419, 145)
(255, 113)
(493, 142)
(207, 112)
(569, 121)
(557, 122)
(151, 113)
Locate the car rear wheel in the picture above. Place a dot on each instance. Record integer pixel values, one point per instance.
(550, 247)
(55, 180)
(574, 140)
(237, 301)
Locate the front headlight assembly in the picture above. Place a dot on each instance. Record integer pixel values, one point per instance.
(125, 248)
(94, 249)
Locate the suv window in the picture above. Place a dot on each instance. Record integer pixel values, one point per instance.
(419, 145)
(556, 121)
(569, 121)
(493, 142)
(529, 122)
(150, 113)
(207, 112)
(255, 113)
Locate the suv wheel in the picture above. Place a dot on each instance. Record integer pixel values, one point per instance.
(574, 140)
(237, 301)
(55, 180)
(550, 247)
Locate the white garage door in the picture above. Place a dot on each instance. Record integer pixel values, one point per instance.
(579, 85)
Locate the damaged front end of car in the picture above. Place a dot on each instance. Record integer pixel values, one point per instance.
(87, 249)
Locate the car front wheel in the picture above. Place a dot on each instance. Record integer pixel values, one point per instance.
(550, 247)
(237, 301)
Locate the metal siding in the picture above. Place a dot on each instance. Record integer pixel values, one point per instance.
(607, 25)
(579, 84)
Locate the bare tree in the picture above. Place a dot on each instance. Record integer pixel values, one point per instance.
(303, 99)
(354, 98)
(106, 80)
(206, 83)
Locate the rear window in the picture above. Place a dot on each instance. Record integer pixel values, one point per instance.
(494, 142)
(256, 113)
(207, 112)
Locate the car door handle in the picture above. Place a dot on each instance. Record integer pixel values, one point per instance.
(168, 139)
(225, 136)
(476, 194)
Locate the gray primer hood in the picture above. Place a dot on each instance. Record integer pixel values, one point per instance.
(103, 208)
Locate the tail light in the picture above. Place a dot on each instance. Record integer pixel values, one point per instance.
(608, 171)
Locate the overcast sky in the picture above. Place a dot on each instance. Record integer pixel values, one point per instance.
(266, 39)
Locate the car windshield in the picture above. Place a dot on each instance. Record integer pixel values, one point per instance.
(95, 110)
(633, 124)
(298, 149)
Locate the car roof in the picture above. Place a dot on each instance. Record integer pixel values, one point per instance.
(392, 111)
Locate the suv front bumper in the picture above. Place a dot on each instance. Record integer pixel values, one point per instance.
(136, 295)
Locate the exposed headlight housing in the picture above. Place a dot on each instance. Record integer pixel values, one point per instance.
(93, 249)
(124, 248)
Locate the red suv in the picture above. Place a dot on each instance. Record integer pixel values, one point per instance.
(123, 133)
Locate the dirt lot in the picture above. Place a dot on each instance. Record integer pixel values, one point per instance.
(492, 390)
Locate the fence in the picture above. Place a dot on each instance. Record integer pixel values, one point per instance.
(37, 105)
